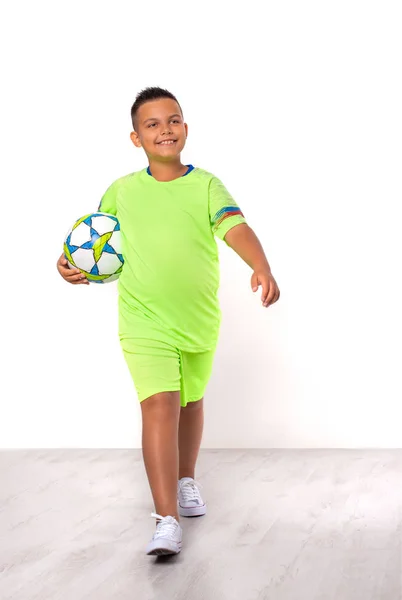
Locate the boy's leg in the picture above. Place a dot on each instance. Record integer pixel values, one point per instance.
(160, 421)
(190, 434)
(195, 372)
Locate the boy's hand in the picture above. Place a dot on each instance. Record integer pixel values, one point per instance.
(71, 275)
(270, 291)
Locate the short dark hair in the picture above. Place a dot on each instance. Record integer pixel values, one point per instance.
(150, 93)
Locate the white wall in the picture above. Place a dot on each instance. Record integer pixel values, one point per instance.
(296, 106)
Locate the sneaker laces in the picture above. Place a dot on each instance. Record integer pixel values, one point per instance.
(166, 527)
(190, 489)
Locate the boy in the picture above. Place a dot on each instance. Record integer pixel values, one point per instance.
(169, 314)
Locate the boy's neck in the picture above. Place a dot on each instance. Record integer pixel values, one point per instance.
(167, 171)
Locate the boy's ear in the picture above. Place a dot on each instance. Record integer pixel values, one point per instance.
(135, 139)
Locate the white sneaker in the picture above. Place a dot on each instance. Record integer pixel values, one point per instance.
(167, 538)
(189, 498)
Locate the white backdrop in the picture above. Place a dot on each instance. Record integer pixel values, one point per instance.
(296, 106)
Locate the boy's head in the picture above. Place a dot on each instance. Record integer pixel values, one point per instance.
(158, 124)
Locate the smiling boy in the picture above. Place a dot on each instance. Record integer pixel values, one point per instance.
(169, 314)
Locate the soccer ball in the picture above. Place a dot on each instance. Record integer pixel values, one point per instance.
(93, 245)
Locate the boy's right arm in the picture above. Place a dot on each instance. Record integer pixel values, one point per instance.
(108, 205)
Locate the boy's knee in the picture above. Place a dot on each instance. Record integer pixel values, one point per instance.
(161, 402)
(194, 405)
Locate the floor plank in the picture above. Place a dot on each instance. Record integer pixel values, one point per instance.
(281, 525)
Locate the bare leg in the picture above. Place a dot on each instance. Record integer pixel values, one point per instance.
(160, 421)
(191, 425)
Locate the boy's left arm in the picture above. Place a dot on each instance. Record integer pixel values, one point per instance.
(246, 244)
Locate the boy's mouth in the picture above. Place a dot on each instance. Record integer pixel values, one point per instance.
(167, 143)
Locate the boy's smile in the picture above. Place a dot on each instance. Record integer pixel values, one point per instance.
(160, 129)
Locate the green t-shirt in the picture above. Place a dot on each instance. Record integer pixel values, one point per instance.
(170, 278)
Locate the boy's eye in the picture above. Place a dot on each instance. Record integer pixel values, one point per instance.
(174, 121)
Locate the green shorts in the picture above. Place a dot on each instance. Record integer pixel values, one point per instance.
(157, 366)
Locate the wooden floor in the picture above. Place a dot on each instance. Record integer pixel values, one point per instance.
(281, 525)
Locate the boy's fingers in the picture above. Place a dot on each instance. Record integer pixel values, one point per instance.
(265, 292)
(63, 265)
(267, 302)
(73, 276)
(271, 298)
(79, 277)
(70, 271)
(254, 282)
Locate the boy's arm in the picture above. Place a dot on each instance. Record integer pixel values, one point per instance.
(242, 239)
(108, 201)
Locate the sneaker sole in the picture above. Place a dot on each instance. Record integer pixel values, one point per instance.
(193, 511)
(161, 548)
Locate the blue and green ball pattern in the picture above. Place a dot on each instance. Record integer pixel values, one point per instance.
(93, 245)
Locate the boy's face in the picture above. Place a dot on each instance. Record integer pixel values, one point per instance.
(158, 121)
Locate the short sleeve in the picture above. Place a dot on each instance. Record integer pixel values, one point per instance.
(108, 202)
(224, 213)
